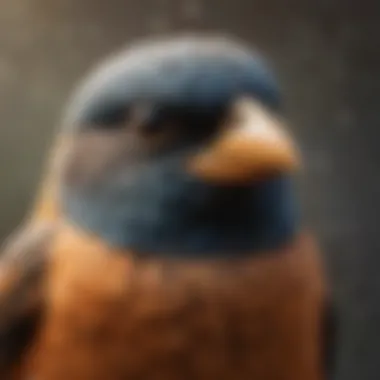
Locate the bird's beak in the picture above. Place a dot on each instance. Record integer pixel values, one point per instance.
(253, 144)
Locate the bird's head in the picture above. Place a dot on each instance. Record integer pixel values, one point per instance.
(177, 146)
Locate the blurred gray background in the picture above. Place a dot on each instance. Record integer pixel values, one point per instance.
(327, 55)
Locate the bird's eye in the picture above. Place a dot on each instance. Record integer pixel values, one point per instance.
(187, 123)
(148, 118)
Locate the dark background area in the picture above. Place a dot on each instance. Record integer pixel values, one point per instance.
(327, 56)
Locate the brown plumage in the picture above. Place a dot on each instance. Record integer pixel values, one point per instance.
(169, 319)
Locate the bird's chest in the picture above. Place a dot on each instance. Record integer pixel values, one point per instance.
(111, 317)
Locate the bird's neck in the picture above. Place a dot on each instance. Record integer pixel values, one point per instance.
(185, 217)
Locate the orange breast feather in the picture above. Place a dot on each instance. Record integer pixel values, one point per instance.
(112, 316)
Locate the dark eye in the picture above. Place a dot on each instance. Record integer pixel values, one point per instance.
(190, 122)
(185, 121)
(151, 118)
(203, 121)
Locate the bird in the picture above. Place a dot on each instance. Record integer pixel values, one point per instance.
(166, 241)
